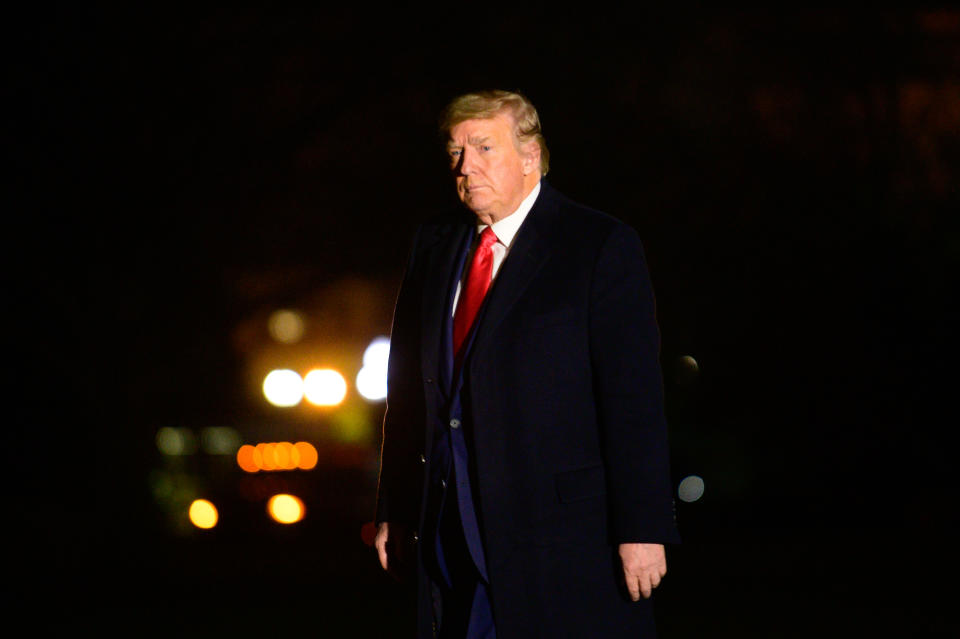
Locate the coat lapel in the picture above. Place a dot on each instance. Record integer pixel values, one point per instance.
(443, 257)
(527, 256)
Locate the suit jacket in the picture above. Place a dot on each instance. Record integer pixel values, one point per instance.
(564, 402)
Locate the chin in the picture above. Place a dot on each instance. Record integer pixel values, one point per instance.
(476, 204)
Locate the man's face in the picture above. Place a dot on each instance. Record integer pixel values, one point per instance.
(492, 175)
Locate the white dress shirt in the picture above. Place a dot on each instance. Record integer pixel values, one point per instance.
(506, 230)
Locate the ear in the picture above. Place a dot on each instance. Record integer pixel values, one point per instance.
(530, 157)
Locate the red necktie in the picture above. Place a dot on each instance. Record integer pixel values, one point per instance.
(478, 282)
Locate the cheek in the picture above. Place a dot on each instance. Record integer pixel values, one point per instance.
(501, 176)
(509, 179)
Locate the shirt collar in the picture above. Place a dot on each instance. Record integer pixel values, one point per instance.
(506, 228)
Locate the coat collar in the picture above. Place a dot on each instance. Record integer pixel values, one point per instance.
(527, 256)
(445, 251)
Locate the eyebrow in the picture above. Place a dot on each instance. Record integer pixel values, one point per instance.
(474, 141)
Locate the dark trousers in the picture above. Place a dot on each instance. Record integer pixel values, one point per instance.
(463, 608)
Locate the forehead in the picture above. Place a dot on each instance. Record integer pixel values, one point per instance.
(499, 126)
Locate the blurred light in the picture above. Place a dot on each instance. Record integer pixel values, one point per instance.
(351, 425)
(245, 459)
(277, 456)
(286, 509)
(372, 384)
(173, 489)
(308, 455)
(176, 441)
(266, 457)
(219, 440)
(324, 387)
(282, 456)
(285, 326)
(372, 378)
(690, 489)
(283, 387)
(377, 352)
(161, 484)
(686, 369)
(203, 514)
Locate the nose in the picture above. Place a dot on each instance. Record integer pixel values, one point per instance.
(466, 164)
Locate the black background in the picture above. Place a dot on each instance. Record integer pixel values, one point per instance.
(793, 175)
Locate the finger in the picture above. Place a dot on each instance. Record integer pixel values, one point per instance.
(645, 588)
(632, 586)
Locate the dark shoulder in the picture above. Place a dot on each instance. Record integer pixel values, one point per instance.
(441, 226)
(568, 220)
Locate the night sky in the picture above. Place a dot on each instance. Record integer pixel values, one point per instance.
(173, 174)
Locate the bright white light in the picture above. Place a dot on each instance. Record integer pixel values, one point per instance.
(324, 387)
(283, 387)
(377, 353)
(372, 384)
(690, 489)
(372, 378)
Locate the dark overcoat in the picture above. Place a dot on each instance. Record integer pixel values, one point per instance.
(564, 402)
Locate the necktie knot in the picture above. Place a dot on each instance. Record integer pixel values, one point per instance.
(487, 238)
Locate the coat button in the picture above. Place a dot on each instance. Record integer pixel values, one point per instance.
(423, 458)
(429, 380)
(416, 537)
(443, 484)
(454, 423)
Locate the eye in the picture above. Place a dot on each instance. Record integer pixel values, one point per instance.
(485, 147)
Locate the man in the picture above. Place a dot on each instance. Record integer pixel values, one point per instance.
(524, 482)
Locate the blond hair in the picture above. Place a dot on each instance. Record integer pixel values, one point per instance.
(484, 105)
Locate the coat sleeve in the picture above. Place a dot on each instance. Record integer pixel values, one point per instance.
(403, 424)
(628, 390)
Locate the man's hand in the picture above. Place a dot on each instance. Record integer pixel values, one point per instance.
(644, 565)
(391, 544)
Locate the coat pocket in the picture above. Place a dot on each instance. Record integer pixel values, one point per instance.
(583, 483)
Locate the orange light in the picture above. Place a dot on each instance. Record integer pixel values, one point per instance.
(285, 509)
(277, 456)
(266, 457)
(203, 514)
(282, 457)
(308, 455)
(245, 459)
